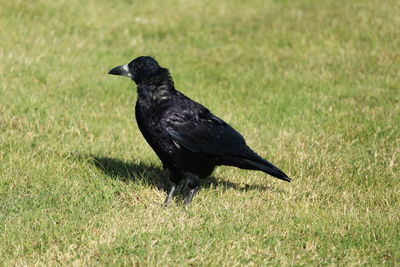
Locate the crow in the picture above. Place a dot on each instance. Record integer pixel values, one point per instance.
(189, 140)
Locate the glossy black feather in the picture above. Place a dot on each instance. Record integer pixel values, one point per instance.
(189, 140)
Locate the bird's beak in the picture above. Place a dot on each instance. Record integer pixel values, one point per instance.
(122, 70)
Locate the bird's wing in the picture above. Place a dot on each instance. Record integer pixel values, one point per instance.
(198, 130)
(204, 132)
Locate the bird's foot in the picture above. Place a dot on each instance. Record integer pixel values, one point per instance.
(168, 200)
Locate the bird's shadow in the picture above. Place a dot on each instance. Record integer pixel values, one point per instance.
(132, 171)
(158, 177)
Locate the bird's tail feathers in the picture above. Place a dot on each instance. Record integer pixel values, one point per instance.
(267, 167)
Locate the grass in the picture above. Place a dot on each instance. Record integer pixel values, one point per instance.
(312, 85)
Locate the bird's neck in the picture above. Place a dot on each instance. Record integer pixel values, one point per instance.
(156, 90)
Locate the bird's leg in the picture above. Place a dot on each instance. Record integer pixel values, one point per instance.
(170, 195)
(174, 178)
(193, 186)
(189, 196)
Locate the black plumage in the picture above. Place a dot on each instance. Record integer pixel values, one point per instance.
(189, 140)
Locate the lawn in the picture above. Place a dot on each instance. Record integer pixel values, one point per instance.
(313, 86)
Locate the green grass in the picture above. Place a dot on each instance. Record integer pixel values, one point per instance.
(312, 85)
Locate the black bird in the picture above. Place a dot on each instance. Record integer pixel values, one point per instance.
(189, 140)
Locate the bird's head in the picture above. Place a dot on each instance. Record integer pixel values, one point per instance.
(140, 69)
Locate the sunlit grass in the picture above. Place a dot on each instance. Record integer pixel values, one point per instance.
(312, 85)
